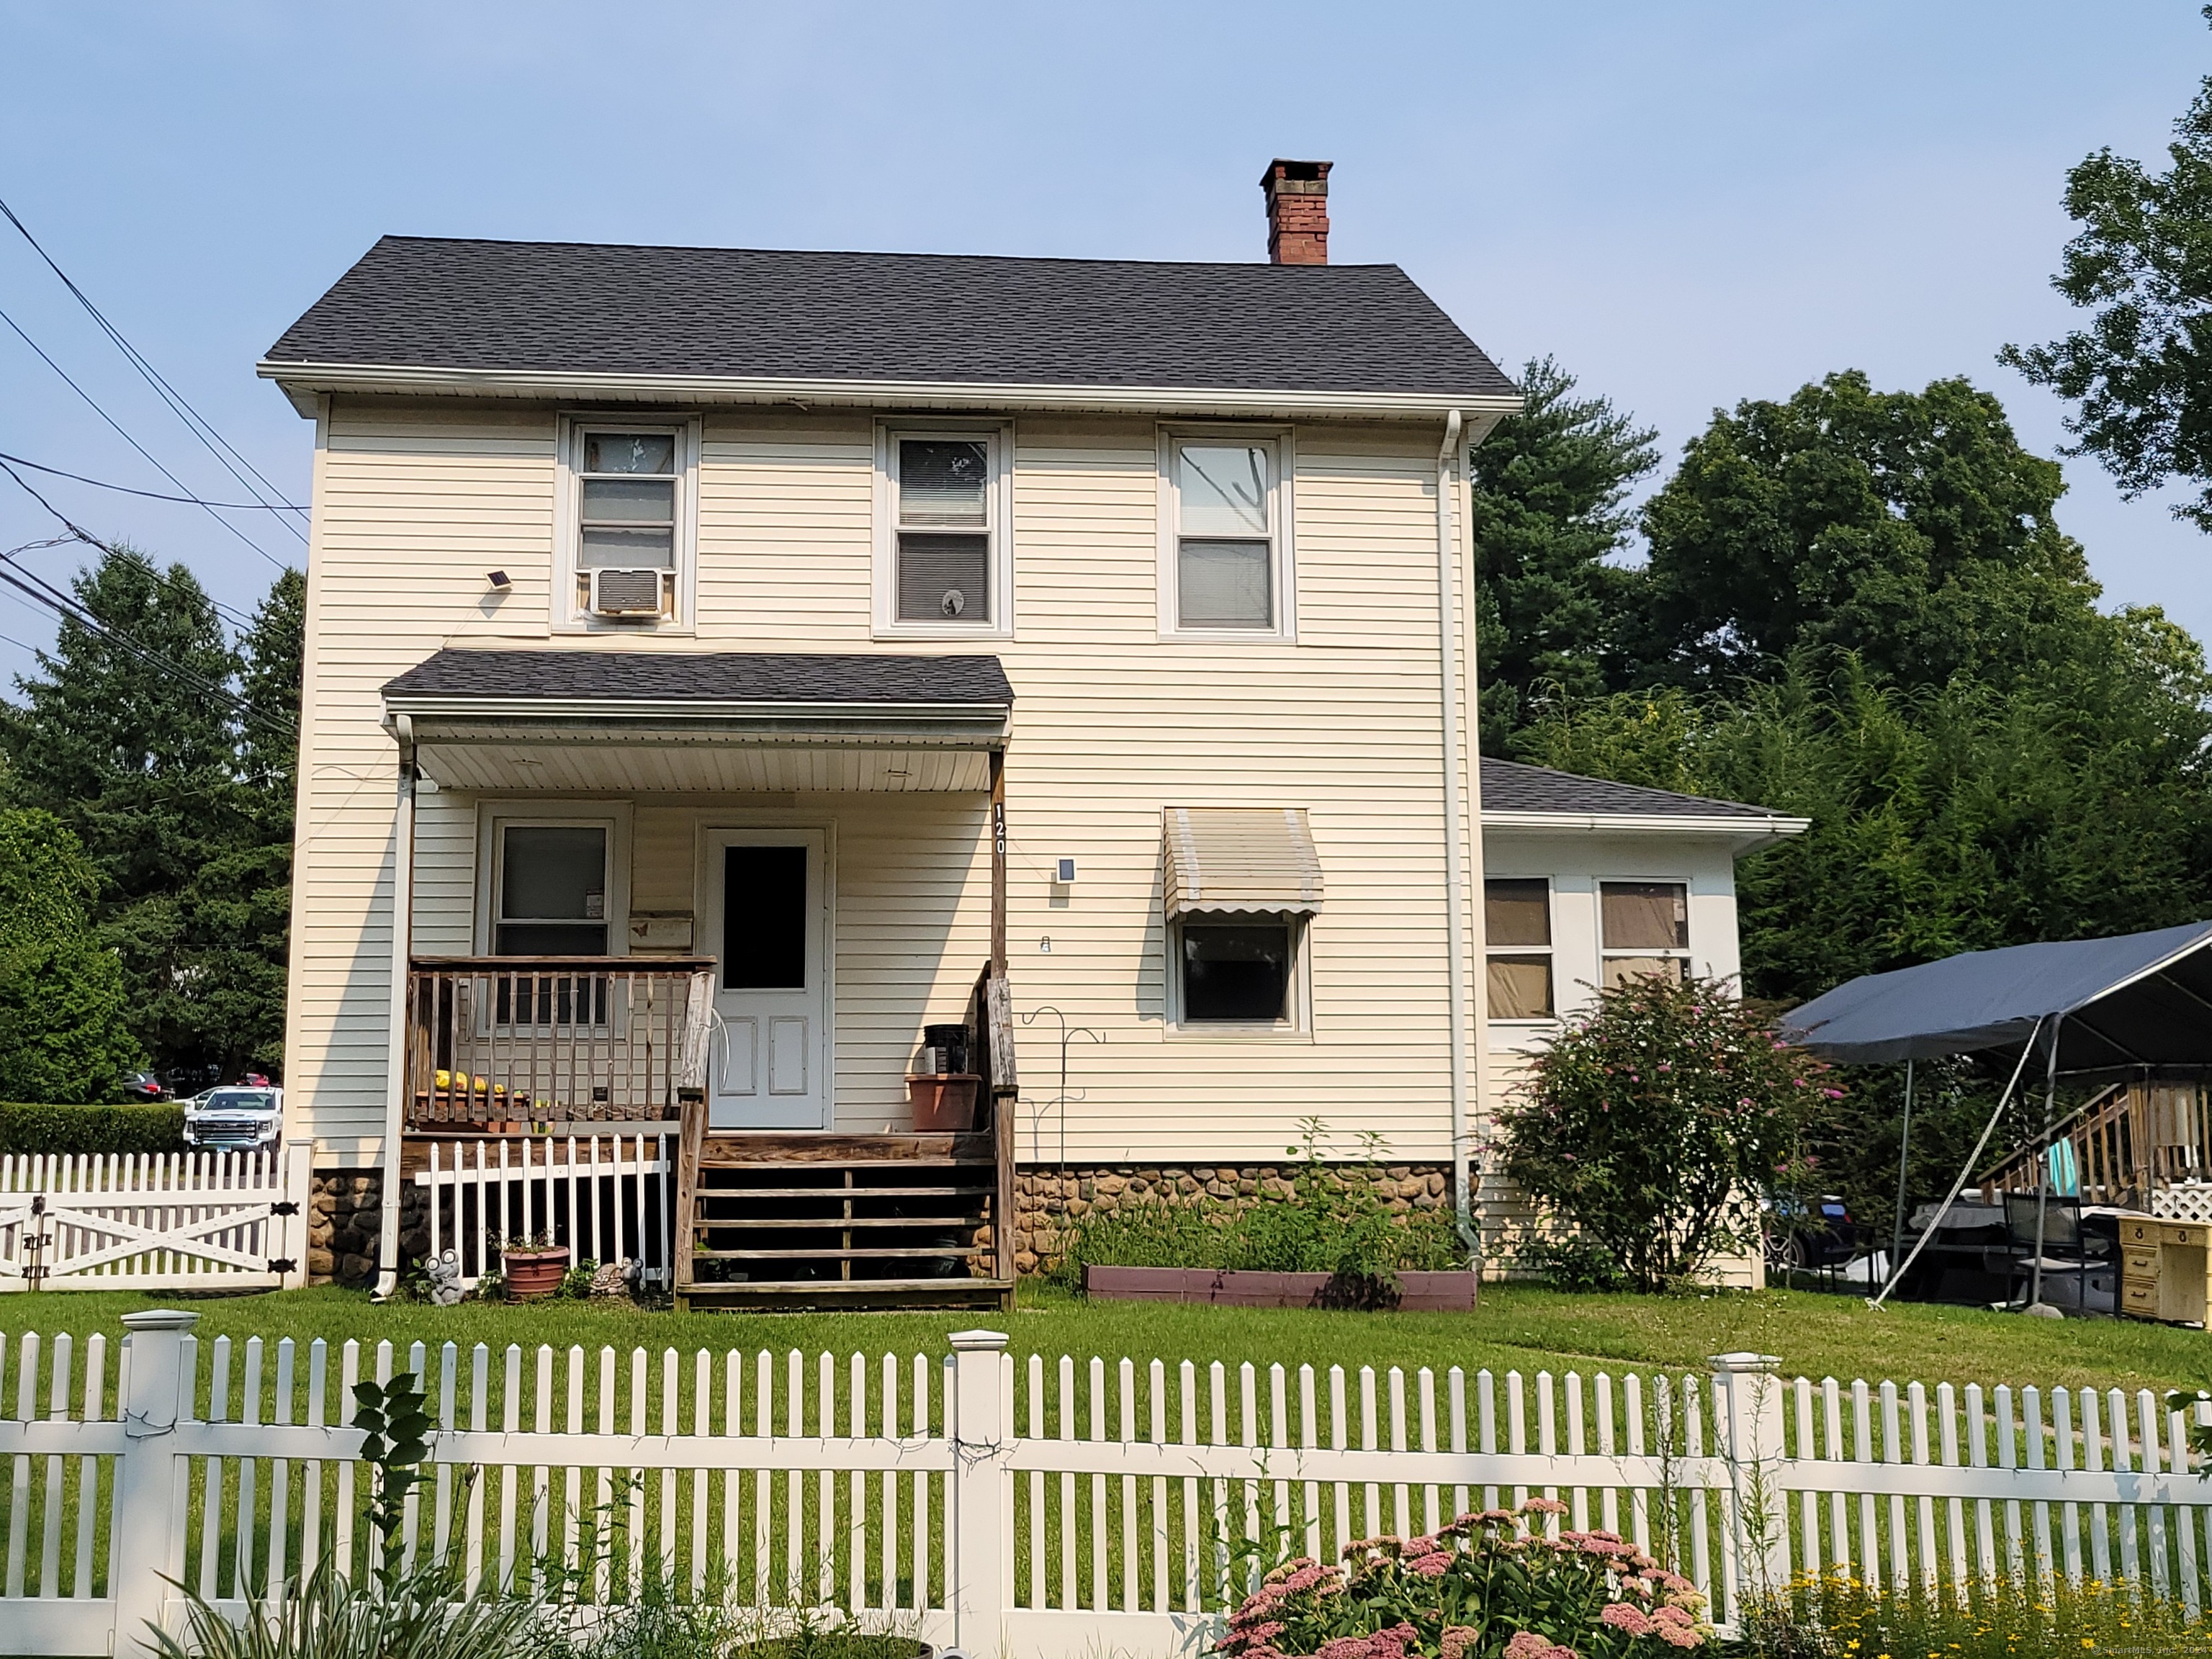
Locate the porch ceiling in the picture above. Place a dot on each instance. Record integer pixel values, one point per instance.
(702, 722)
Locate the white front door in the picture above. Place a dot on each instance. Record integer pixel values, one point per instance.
(765, 919)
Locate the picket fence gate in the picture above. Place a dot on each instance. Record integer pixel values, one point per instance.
(154, 1221)
(1049, 1509)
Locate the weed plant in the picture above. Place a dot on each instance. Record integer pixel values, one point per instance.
(1839, 1618)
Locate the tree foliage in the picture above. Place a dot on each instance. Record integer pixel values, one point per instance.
(63, 1036)
(1654, 1124)
(2139, 373)
(183, 810)
(1547, 505)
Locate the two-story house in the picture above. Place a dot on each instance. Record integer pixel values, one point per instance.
(738, 682)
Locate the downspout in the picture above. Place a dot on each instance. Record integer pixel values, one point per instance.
(395, 1048)
(1456, 976)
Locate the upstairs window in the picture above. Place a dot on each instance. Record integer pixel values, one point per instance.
(945, 555)
(1644, 928)
(1223, 545)
(1517, 931)
(627, 509)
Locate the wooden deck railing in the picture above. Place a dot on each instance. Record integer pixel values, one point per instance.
(525, 1040)
(2130, 1141)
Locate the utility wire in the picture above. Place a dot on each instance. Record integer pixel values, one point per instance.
(132, 557)
(151, 495)
(195, 422)
(133, 442)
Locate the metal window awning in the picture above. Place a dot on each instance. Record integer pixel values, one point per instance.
(2137, 1000)
(1240, 861)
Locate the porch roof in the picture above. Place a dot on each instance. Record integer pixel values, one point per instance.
(701, 721)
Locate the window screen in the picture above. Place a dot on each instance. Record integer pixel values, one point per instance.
(1236, 970)
(1521, 988)
(628, 512)
(1516, 912)
(1224, 547)
(943, 530)
(1517, 924)
(1646, 929)
(552, 891)
(764, 919)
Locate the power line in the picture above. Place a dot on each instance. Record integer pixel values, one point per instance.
(154, 494)
(195, 422)
(133, 442)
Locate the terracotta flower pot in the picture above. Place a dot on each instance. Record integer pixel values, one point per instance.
(532, 1275)
(943, 1103)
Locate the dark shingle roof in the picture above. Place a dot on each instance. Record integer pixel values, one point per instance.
(1509, 786)
(583, 307)
(717, 676)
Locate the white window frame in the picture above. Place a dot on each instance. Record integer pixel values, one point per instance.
(1686, 954)
(1548, 953)
(493, 818)
(999, 513)
(566, 605)
(1282, 562)
(1298, 1023)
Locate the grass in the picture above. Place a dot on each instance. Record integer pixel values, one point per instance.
(1514, 1327)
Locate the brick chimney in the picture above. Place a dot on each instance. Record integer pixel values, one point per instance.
(1297, 211)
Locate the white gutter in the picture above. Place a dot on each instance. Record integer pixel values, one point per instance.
(304, 379)
(395, 1050)
(1454, 857)
(464, 706)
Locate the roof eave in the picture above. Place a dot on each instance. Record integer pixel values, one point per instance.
(303, 382)
(1745, 833)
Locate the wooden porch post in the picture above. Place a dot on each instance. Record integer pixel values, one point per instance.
(999, 1013)
(999, 862)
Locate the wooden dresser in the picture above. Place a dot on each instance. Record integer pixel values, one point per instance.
(2166, 1269)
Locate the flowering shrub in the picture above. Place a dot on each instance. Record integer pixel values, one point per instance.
(1654, 1125)
(1488, 1586)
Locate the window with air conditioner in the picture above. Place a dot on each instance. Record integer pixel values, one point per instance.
(943, 561)
(628, 499)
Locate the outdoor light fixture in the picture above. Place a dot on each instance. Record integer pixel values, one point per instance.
(500, 579)
(1064, 872)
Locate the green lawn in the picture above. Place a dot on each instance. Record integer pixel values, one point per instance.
(1514, 1328)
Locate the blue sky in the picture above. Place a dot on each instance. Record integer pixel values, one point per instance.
(1688, 203)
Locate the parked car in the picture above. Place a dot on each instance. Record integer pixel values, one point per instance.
(235, 1119)
(1810, 1232)
(144, 1088)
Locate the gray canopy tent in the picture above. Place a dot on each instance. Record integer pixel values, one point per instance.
(2097, 1005)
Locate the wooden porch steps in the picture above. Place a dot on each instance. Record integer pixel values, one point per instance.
(791, 1220)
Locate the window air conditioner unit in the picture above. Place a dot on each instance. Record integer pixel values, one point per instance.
(631, 592)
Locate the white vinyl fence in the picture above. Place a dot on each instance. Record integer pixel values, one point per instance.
(607, 1197)
(154, 1221)
(1045, 1508)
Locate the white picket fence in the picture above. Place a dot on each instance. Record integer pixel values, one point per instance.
(1044, 1509)
(608, 1197)
(149, 1221)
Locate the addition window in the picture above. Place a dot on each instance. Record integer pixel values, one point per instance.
(552, 890)
(1644, 929)
(1238, 969)
(942, 563)
(627, 508)
(1517, 931)
(1222, 542)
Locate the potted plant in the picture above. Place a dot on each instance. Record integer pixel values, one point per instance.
(533, 1266)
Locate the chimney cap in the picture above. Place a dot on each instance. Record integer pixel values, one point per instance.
(1312, 174)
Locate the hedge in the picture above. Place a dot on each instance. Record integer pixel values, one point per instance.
(98, 1129)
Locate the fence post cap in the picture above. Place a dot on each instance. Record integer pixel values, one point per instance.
(978, 1341)
(162, 1319)
(1735, 1364)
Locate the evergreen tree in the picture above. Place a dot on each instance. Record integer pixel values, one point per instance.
(63, 1036)
(1548, 496)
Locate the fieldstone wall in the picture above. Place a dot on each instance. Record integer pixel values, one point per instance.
(345, 1214)
(1047, 1203)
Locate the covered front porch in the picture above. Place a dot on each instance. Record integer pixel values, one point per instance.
(729, 904)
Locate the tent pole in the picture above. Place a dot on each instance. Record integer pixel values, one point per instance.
(1903, 1158)
(2043, 1162)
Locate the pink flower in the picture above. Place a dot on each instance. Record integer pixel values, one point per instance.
(1675, 1635)
(1543, 1506)
(1343, 1647)
(1457, 1639)
(1432, 1566)
(1622, 1617)
(1392, 1643)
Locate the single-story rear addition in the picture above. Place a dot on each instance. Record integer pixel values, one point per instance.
(936, 743)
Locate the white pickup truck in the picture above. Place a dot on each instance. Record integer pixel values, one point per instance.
(235, 1118)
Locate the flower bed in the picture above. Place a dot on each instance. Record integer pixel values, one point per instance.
(1492, 1585)
(1415, 1292)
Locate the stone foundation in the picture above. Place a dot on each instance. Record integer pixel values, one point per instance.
(1047, 1202)
(344, 1216)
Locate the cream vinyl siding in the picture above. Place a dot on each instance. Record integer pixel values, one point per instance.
(415, 500)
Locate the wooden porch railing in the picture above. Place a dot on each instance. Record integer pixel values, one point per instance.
(525, 1040)
(2130, 1141)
